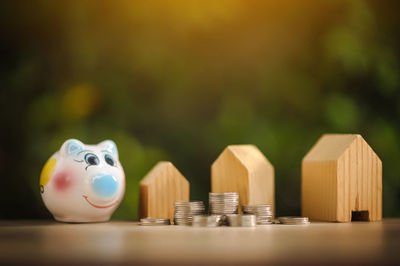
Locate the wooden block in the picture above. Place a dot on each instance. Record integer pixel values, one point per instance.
(341, 180)
(159, 189)
(244, 169)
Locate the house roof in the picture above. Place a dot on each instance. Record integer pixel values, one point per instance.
(248, 155)
(157, 170)
(331, 146)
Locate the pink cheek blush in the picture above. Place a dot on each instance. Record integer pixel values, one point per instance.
(62, 181)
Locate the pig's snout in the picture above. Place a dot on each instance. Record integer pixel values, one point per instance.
(104, 185)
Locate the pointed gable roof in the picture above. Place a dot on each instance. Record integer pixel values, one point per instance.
(248, 155)
(158, 169)
(330, 147)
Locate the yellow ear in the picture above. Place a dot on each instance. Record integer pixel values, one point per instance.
(47, 171)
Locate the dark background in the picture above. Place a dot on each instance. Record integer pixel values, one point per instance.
(180, 80)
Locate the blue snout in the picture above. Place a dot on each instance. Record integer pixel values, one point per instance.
(104, 185)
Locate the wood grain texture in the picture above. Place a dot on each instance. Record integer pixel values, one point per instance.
(160, 188)
(127, 243)
(244, 169)
(341, 174)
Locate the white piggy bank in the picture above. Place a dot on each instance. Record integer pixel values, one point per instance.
(83, 183)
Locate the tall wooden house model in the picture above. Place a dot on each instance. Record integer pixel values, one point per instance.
(244, 169)
(342, 180)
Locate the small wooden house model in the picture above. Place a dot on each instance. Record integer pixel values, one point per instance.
(342, 180)
(159, 189)
(244, 169)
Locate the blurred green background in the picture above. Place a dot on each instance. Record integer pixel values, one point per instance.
(180, 80)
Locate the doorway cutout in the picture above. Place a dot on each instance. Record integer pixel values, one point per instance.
(360, 216)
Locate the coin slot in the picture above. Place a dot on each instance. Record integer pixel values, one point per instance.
(359, 216)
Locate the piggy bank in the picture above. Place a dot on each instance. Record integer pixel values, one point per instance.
(83, 183)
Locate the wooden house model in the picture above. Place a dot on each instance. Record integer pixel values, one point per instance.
(342, 180)
(159, 189)
(244, 169)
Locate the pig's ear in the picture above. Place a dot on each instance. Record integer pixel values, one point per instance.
(72, 147)
(109, 146)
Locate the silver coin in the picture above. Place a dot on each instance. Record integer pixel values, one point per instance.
(207, 221)
(248, 220)
(184, 211)
(234, 220)
(200, 220)
(293, 220)
(223, 203)
(154, 221)
(263, 212)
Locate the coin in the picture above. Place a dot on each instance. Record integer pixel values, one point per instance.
(248, 220)
(223, 203)
(206, 220)
(263, 212)
(154, 221)
(234, 219)
(184, 211)
(293, 220)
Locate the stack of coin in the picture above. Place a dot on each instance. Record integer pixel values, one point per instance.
(263, 212)
(234, 220)
(293, 220)
(246, 220)
(207, 220)
(185, 210)
(223, 203)
(154, 221)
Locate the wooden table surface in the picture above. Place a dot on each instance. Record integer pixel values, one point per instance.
(48, 242)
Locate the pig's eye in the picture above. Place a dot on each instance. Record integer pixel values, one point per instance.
(91, 159)
(109, 159)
